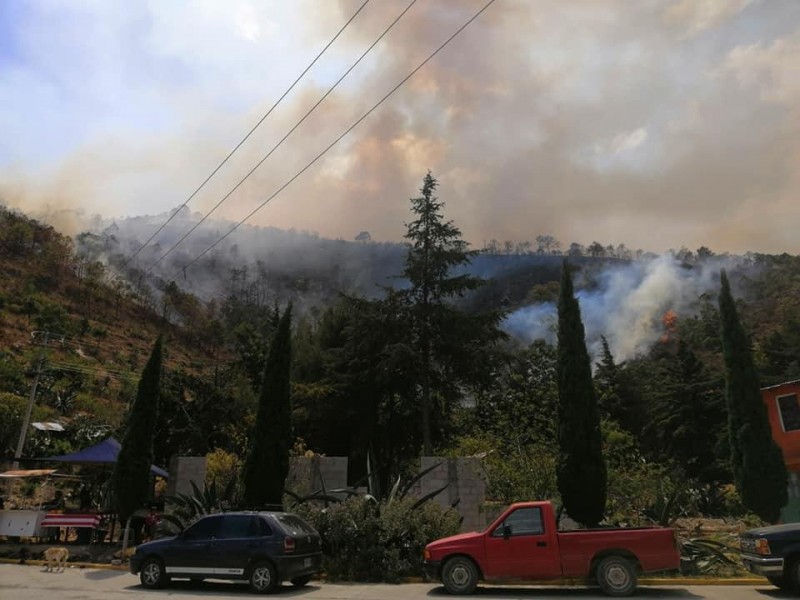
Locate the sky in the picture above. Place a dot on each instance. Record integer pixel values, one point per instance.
(652, 123)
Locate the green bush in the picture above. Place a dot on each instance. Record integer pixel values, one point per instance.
(368, 541)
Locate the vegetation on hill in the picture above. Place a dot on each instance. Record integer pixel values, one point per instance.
(362, 375)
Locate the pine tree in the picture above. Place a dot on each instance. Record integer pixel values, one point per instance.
(607, 384)
(267, 464)
(756, 460)
(131, 476)
(443, 338)
(581, 470)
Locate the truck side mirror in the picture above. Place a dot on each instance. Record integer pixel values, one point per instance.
(506, 531)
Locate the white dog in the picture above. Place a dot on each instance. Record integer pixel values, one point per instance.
(56, 558)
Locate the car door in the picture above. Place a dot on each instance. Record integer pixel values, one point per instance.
(192, 554)
(520, 546)
(240, 537)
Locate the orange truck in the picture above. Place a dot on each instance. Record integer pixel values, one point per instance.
(524, 544)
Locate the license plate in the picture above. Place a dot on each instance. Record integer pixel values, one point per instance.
(307, 562)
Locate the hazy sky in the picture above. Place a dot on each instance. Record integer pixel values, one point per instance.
(654, 123)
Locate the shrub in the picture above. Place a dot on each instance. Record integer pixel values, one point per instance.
(363, 540)
(223, 468)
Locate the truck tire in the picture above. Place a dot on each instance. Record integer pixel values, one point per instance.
(791, 576)
(460, 575)
(616, 576)
(780, 582)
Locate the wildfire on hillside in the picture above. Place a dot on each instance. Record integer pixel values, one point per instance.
(670, 323)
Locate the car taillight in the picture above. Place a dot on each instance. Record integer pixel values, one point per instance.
(762, 546)
(288, 544)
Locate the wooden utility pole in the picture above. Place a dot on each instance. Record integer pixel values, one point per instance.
(26, 421)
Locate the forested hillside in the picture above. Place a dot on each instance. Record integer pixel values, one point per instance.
(486, 373)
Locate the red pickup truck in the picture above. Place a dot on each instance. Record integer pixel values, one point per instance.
(524, 543)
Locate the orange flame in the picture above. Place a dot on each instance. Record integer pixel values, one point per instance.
(670, 323)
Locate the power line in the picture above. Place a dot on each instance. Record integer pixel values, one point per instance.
(249, 133)
(283, 139)
(338, 139)
(89, 370)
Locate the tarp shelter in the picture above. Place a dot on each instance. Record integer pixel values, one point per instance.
(106, 452)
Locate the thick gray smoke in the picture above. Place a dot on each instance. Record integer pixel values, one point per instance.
(627, 305)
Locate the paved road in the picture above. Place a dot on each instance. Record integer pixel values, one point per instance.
(31, 583)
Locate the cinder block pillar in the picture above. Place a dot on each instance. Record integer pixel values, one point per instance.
(182, 471)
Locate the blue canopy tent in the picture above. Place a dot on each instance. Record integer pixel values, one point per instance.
(105, 452)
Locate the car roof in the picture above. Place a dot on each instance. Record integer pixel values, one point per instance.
(265, 513)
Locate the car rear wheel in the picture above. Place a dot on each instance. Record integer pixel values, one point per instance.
(152, 574)
(301, 581)
(263, 579)
(460, 575)
(616, 576)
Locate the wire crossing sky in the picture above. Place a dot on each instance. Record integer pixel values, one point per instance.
(249, 133)
(655, 124)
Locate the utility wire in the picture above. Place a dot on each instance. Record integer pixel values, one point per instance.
(283, 139)
(338, 139)
(249, 133)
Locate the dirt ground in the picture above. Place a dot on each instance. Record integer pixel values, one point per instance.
(84, 553)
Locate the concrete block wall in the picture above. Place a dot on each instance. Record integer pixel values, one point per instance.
(182, 471)
(465, 483)
(309, 474)
(463, 477)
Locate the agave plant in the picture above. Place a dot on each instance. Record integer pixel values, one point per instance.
(186, 508)
(701, 555)
(398, 492)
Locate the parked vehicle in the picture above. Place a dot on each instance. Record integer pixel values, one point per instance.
(263, 548)
(773, 552)
(524, 543)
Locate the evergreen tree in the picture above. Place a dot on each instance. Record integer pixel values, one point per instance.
(581, 469)
(131, 476)
(686, 416)
(267, 464)
(607, 384)
(445, 340)
(756, 460)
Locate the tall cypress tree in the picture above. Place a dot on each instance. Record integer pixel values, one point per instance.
(756, 460)
(267, 464)
(581, 470)
(131, 476)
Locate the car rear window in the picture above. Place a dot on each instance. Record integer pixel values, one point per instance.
(294, 525)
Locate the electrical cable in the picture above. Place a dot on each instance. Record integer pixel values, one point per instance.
(338, 139)
(283, 139)
(246, 137)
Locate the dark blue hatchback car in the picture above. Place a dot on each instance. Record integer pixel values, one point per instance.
(263, 548)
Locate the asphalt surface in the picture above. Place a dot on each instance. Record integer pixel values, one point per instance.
(31, 582)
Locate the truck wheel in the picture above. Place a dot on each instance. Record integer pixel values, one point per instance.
(460, 575)
(616, 576)
(791, 576)
(780, 582)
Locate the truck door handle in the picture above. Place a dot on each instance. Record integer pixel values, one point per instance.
(541, 544)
